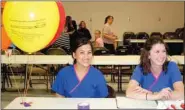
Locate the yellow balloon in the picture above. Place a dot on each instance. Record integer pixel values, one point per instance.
(31, 25)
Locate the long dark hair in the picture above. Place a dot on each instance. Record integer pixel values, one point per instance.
(80, 40)
(69, 24)
(106, 19)
(144, 60)
(74, 24)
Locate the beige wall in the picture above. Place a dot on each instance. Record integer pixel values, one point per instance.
(144, 16)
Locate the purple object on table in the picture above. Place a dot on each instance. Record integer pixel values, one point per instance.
(83, 106)
(26, 104)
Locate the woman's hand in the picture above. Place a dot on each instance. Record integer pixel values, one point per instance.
(164, 94)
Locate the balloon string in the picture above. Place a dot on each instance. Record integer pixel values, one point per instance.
(17, 87)
(28, 80)
(25, 92)
(16, 84)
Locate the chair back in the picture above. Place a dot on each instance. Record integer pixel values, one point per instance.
(179, 32)
(56, 51)
(121, 50)
(128, 35)
(156, 34)
(39, 53)
(142, 35)
(101, 51)
(170, 35)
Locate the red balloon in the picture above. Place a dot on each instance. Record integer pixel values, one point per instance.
(61, 23)
(5, 43)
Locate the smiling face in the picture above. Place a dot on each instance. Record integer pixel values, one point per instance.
(157, 54)
(83, 55)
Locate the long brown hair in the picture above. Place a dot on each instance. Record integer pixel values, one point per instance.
(144, 60)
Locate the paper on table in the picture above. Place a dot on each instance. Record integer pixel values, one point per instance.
(124, 102)
(167, 104)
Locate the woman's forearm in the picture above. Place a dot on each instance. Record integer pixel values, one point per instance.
(108, 36)
(177, 95)
(142, 96)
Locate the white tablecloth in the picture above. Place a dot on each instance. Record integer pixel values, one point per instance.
(64, 59)
(165, 40)
(128, 103)
(62, 103)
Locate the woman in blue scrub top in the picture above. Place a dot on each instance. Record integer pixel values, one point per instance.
(155, 78)
(80, 80)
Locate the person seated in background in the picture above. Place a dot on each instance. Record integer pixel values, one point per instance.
(64, 39)
(80, 79)
(155, 78)
(84, 30)
(98, 39)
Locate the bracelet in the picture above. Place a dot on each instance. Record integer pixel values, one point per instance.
(146, 96)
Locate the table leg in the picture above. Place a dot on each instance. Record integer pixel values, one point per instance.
(119, 80)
